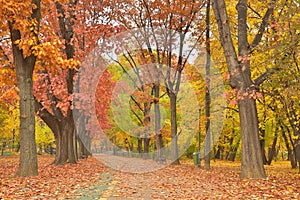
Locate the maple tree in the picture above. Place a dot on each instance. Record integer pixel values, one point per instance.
(72, 37)
(57, 83)
(21, 23)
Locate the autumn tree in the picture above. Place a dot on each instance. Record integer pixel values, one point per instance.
(282, 89)
(22, 24)
(72, 30)
(242, 82)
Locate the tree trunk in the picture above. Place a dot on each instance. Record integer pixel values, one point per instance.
(294, 153)
(174, 145)
(207, 92)
(233, 150)
(262, 131)
(28, 157)
(65, 150)
(252, 164)
(146, 146)
(83, 148)
(159, 140)
(24, 69)
(139, 147)
(83, 137)
(61, 155)
(146, 122)
(232, 154)
(288, 147)
(297, 150)
(272, 151)
(63, 130)
(263, 151)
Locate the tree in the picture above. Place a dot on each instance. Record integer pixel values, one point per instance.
(24, 28)
(278, 104)
(71, 37)
(241, 81)
(62, 123)
(163, 30)
(207, 92)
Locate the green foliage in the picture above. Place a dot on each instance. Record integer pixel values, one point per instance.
(9, 126)
(44, 135)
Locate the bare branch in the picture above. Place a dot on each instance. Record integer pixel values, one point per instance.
(263, 25)
(264, 76)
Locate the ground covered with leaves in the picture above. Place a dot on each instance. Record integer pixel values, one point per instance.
(92, 180)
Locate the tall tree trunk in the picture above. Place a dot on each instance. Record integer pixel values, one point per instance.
(207, 92)
(159, 140)
(146, 122)
(139, 147)
(199, 139)
(83, 137)
(174, 145)
(297, 150)
(61, 155)
(24, 69)
(288, 147)
(84, 147)
(263, 151)
(294, 157)
(262, 131)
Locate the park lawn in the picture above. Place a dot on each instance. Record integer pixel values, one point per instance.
(89, 179)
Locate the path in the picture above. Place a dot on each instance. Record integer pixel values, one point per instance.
(188, 182)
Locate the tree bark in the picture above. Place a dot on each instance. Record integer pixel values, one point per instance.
(252, 164)
(24, 69)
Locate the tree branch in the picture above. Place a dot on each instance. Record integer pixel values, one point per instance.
(264, 76)
(263, 25)
(46, 116)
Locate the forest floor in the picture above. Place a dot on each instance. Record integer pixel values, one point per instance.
(90, 179)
